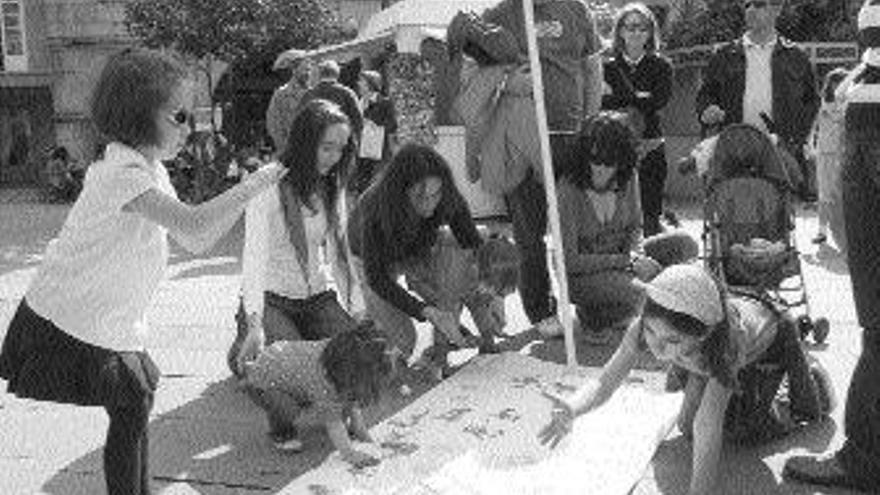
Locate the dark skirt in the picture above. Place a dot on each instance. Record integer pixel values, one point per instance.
(42, 362)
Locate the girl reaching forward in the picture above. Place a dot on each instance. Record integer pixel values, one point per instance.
(724, 342)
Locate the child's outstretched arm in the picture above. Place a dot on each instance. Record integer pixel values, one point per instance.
(198, 227)
(708, 433)
(592, 394)
(338, 434)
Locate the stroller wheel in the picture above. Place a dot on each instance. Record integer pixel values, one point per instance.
(821, 327)
(805, 326)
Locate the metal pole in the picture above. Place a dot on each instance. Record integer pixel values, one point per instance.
(549, 181)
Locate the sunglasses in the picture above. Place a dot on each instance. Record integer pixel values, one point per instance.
(756, 4)
(644, 28)
(179, 117)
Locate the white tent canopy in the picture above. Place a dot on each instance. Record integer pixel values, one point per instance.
(406, 23)
(413, 20)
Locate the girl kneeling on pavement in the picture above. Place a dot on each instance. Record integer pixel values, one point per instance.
(285, 293)
(601, 219)
(736, 350)
(79, 335)
(398, 227)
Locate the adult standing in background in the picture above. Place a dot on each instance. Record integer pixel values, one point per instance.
(640, 80)
(329, 88)
(857, 463)
(571, 69)
(285, 102)
(762, 76)
(380, 118)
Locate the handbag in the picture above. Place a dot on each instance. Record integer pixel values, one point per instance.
(372, 141)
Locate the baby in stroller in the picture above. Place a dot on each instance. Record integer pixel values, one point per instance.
(749, 219)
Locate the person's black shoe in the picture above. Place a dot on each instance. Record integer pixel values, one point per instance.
(824, 471)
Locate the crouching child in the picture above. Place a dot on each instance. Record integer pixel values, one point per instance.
(325, 382)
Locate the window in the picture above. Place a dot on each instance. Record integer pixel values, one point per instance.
(13, 52)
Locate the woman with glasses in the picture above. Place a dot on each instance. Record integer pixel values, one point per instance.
(78, 335)
(602, 228)
(639, 81)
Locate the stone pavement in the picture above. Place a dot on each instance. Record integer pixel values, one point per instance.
(206, 438)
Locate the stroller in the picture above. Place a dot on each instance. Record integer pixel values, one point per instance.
(749, 223)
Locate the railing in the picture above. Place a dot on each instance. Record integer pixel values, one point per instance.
(819, 53)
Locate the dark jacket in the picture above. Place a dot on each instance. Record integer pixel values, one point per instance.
(653, 74)
(795, 99)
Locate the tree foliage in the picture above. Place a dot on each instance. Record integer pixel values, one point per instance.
(713, 21)
(232, 30)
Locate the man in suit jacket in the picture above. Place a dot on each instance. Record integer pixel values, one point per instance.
(761, 79)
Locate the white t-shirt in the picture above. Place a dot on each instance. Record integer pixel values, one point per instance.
(100, 273)
(269, 260)
(758, 95)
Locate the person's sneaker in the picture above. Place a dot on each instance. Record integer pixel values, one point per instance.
(550, 327)
(286, 441)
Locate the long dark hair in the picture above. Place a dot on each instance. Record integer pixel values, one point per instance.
(301, 156)
(605, 138)
(716, 352)
(387, 200)
(358, 363)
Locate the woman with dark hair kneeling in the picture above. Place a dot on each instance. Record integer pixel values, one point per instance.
(602, 228)
(399, 228)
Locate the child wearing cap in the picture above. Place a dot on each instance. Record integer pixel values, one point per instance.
(726, 342)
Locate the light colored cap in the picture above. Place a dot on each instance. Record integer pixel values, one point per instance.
(687, 289)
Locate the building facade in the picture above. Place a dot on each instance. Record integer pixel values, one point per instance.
(51, 52)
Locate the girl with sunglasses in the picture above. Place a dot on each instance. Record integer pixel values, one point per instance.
(725, 342)
(78, 335)
(639, 81)
(601, 221)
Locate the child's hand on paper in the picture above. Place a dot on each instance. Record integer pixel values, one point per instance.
(561, 421)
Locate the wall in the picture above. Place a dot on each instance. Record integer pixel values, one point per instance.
(81, 35)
